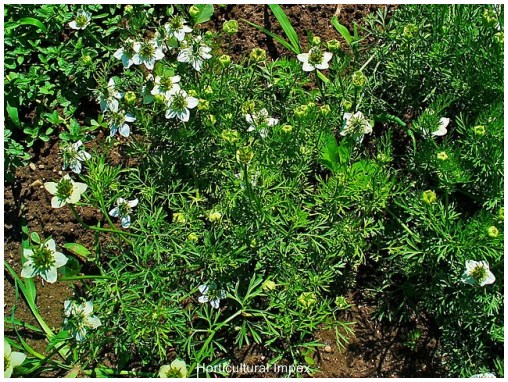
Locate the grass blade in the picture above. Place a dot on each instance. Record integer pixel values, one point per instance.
(342, 30)
(276, 37)
(286, 26)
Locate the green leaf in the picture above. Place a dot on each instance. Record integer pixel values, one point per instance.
(13, 114)
(330, 155)
(342, 30)
(77, 249)
(286, 26)
(205, 13)
(31, 21)
(35, 237)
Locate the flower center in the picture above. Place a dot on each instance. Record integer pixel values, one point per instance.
(81, 20)
(315, 56)
(124, 209)
(166, 83)
(147, 50)
(357, 125)
(128, 48)
(64, 188)
(43, 257)
(479, 273)
(117, 119)
(179, 102)
(176, 23)
(174, 373)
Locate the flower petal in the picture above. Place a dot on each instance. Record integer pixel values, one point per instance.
(29, 270)
(56, 202)
(50, 275)
(192, 102)
(203, 289)
(133, 203)
(17, 358)
(51, 187)
(126, 221)
(124, 130)
(60, 259)
(303, 57)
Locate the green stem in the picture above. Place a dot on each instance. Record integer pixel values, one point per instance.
(403, 225)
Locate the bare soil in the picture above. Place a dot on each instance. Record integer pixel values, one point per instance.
(377, 349)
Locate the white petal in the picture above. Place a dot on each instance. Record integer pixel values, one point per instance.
(307, 67)
(215, 303)
(322, 66)
(489, 279)
(159, 55)
(60, 259)
(73, 25)
(303, 57)
(50, 275)
(183, 115)
(27, 253)
(183, 56)
(203, 289)
(136, 59)
(88, 308)
(133, 203)
(7, 349)
(170, 114)
(203, 299)
(272, 121)
(17, 358)
(114, 212)
(51, 187)
(76, 167)
(192, 102)
(327, 56)
(94, 322)
(51, 245)
(470, 265)
(28, 270)
(197, 64)
(149, 63)
(124, 130)
(126, 221)
(56, 202)
(118, 54)
(129, 118)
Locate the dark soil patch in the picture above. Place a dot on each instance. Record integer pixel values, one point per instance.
(377, 349)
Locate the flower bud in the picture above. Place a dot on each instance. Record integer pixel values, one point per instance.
(214, 217)
(442, 156)
(287, 128)
(208, 90)
(244, 155)
(258, 55)
(230, 136)
(410, 31)
(493, 231)
(230, 26)
(347, 104)
(500, 213)
(193, 237)
(429, 197)
(333, 45)
(268, 285)
(225, 60)
(301, 111)
(86, 60)
(499, 38)
(307, 299)
(210, 119)
(194, 11)
(489, 18)
(359, 79)
(128, 9)
(479, 130)
(130, 98)
(192, 93)
(160, 99)
(248, 107)
(179, 217)
(316, 40)
(325, 109)
(203, 104)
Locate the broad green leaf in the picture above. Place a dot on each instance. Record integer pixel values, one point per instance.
(77, 249)
(342, 30)
(329, 149)
(286, 26)
(31, 21)
(13, 114)
(205, 13)
(276, 37)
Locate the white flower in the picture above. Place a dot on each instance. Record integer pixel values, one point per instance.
(73, 156)
(12, 359)
(125, 53)
(441, 129)
(166, 85)
(211, 294)
(118, 122)
(176, 28)
(79, 318)
(259, 121)
(483, 375)
(315, 59)
(356, 126)
(477, 272)
(179, 104)
(43, 261)
(109, 100)
(195, 53)
(177, 369)
(81, 21)
(147, 52)
(65, 191)
(122, 210)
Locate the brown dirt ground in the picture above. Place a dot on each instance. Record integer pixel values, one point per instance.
(376, 350)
